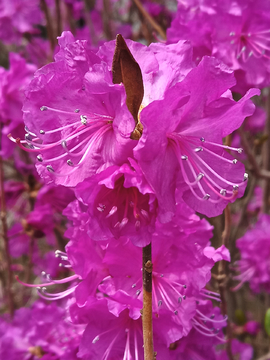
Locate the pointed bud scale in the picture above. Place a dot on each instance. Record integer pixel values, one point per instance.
(125, 69)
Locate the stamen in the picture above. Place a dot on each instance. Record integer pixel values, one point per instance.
(28, 137)
(52, 297)
(200, 176)
(29, 132)
(112, 211)
(145, 215)
(50, 168)
(53, 282)
(123, 223)
(101, 207)
(201, 170)
(96, 339)
(83, 119)
(204, 317)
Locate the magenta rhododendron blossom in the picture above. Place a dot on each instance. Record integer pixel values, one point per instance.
(77, 120)
(13, 83)
(256, 122)
(235, 32)
(18, 17)
(121, 203)
(43, 330)
(254, 265)
(72, 113)
(252, 327)
(242, 351)
(111, 337)
(246, 49)
(185, 140)
(130, 141)
(79, 124)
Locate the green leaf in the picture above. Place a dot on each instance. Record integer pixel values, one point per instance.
(267, 322)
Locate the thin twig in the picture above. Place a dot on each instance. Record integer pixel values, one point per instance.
(147, 317)
(6, 242)
(106, 16)
(244, 208)
(248, 151)
(264, 357)
(70, 19)
(259, 173)
(87, 14)
(58, 17)
(222, 279)
(28, 271)
(49, 27)
(150, 19)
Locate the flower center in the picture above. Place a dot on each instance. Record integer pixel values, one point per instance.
(121, 206)
(252, 43)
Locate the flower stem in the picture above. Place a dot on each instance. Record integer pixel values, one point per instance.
(223, 279)
(49, 25)
(147, 319)
(106, 16)
(58, 17)
(150, 19)
(3, 216)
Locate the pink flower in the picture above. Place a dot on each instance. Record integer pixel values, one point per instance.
(185, 141)
(243, 351)
(254, 265)
(120, 203)
(43, 330)
(18, 17)
(77, 120)
(237, 33)
(13, 83)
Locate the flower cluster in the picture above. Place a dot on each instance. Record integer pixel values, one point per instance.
(235, 32)
(41, 331)
(117, 146)
(78, 124)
